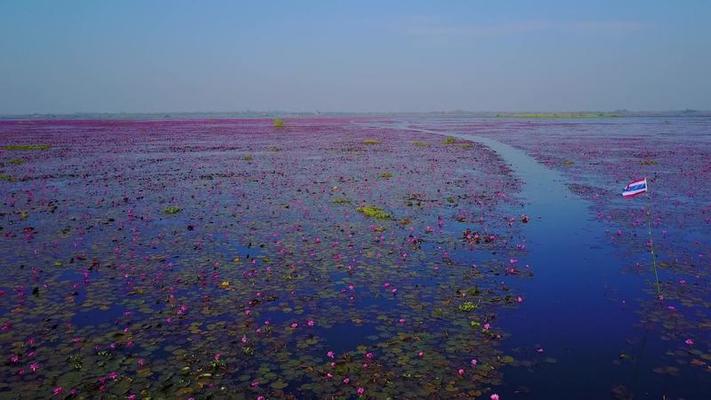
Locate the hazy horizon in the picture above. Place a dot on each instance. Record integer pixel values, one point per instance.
(225, 57)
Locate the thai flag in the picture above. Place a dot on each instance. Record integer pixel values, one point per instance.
(634, 188)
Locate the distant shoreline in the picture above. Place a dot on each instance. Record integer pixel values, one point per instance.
(272, 114)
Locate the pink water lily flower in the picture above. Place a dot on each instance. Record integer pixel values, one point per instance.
(689, 341)
(494, 396)
(360, 391)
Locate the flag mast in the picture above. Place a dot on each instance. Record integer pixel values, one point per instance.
(651, 246)
(633, 189)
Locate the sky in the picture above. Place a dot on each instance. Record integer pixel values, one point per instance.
(359, 56)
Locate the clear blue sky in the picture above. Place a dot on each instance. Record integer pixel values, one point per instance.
(155, 56)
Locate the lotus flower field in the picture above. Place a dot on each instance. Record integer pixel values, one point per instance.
(352, 258)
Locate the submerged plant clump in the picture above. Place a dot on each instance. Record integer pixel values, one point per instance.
(264, 281)
(26, 147)
(170, 210)
(373, 212)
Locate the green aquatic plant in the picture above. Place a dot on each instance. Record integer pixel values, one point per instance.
(248, 157)
(278, 123)
(386, 175)
(26, 147)
(418, 143)
(171, 210)
(373, 212)
(371, 141)
(450, 140)
(6, 178)
(341, 201)
(648, 162)
(17, 161)
(468, 306)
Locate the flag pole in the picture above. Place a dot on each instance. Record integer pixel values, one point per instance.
(651, 243)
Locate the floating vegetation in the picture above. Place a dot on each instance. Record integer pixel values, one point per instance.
(468, 306)
(6, 178)
(16, 161)
(449, 140)
(27, 147)
(371, 141)
(341, 201)
(278, 123)
(385, 175)
(269, 284)
(373, 212)
(171, 210)
(648, 162)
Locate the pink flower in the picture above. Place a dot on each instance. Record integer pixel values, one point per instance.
(369, 355)
(487, 326)
(294, 325)
(310, 322)
(57, 390)
(460, 371)
(474, 362)
(421, 354)
(360, 391)
(331, 355)
(494, 396)
(260, 397)
(689, 341)
(346, 380)
(34, 366)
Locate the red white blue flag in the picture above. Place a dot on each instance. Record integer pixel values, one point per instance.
(635, 187)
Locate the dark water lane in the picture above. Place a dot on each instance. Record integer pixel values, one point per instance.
(578, 315)
(570, 314)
